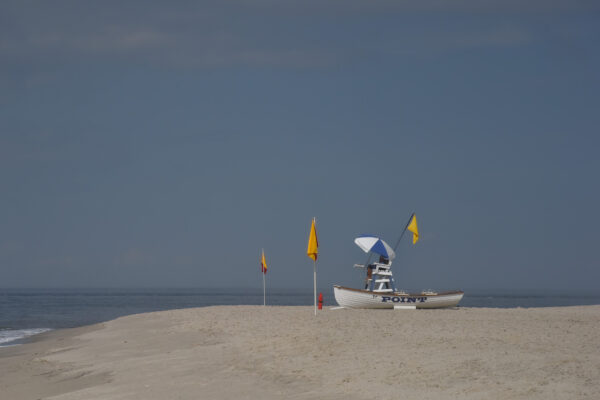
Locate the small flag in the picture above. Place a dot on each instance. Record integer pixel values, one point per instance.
(313, 243)
(263, 264)
(412, 226)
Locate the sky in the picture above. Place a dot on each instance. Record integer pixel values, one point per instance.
(158, 144)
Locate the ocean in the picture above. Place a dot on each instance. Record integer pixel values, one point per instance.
(26, 312)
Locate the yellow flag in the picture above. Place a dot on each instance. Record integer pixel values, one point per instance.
(313, 243)
(412, 226)
(263, 263)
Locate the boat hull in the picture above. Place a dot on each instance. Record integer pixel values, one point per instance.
(357, 298)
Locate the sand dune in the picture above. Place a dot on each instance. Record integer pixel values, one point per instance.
(253, 352)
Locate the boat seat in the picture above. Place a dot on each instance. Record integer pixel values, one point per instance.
(383, 273)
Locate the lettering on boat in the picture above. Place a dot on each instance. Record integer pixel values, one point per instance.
(403, 299)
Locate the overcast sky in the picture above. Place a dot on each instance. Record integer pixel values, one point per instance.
(159, 144)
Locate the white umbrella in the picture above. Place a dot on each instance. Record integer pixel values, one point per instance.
(370, 243)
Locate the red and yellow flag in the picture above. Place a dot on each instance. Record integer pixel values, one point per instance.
(313, 244)
(263, 263)
(412, 226)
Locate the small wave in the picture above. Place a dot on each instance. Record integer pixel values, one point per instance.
(7, 336)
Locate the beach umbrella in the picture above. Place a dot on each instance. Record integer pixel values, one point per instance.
(370, 243)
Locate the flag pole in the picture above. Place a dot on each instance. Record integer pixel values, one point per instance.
(264, 285)
(404, 231)
(312, 251)
(315, 283)
(315, 272)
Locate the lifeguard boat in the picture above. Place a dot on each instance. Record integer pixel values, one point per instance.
(380, 289)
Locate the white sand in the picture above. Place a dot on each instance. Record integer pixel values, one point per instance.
(253, 352)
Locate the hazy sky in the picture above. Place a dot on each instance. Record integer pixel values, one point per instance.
(148, 144)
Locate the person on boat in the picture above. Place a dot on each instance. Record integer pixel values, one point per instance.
(370, 269)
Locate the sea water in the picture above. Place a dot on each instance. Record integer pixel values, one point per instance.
(27, 312)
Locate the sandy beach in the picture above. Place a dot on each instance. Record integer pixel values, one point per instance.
(253, 352)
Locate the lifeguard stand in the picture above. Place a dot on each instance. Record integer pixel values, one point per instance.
(381, 279)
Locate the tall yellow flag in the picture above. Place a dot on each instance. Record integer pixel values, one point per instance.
(263, 263)
(412, 226)
(313, 244)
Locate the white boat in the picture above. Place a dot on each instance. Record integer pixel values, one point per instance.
(358, 298)
(380, 289)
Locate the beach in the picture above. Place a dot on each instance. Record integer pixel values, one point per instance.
(255, 352)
